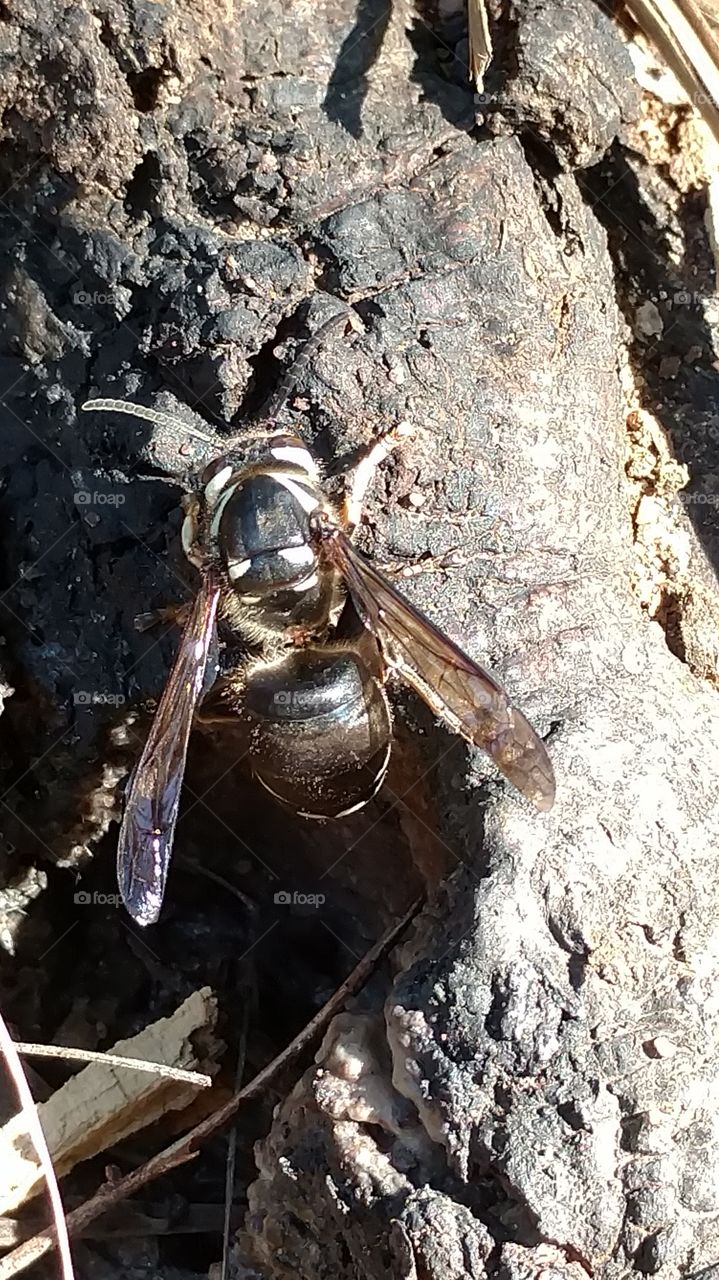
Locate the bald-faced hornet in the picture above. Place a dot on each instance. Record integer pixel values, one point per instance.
(324, 631)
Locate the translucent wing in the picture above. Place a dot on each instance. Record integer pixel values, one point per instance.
(468, 698)
(148, 826)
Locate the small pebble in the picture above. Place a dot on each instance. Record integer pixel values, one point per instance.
(647, 320)
(660, 1047)
(669, 367)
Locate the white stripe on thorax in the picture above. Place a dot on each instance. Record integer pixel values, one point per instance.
(307, 501)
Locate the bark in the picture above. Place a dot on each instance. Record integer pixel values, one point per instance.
(186, 194)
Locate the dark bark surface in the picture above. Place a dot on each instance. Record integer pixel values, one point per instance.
(186, 195)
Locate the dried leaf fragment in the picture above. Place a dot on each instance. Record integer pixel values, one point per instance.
(103, 1104)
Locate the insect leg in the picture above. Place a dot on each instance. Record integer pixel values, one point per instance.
(425, 563)
(178, 613)
(359, 479)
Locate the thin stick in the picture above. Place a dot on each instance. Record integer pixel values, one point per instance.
(186, 1148)
(480, 42)
(125, 1222)
(113, 1060)
(232, 1149)
(34, 1129)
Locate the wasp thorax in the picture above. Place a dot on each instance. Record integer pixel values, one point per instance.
(263, 535)
(254, 514)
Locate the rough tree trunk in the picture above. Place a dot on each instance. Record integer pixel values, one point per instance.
(186, 193)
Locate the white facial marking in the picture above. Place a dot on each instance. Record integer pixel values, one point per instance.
(188, 534)
(295, 454)
(249, 599)
(222, 501)
(215, 486)
(306, 500)
(298, 555)
(238, 568)
(306, 583)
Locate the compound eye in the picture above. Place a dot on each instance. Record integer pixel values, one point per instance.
(214, 479)
(212, 469)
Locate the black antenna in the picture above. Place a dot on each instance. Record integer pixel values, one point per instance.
(277, 401)
(160, 419)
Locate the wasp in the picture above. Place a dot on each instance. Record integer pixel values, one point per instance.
(323, 631)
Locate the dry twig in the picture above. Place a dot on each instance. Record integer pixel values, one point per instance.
(104, 1103)
(186, 1148)
(166, 1072)
(480, 42)
(34, 1128)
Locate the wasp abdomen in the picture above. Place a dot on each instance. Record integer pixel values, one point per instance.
(319, 731)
